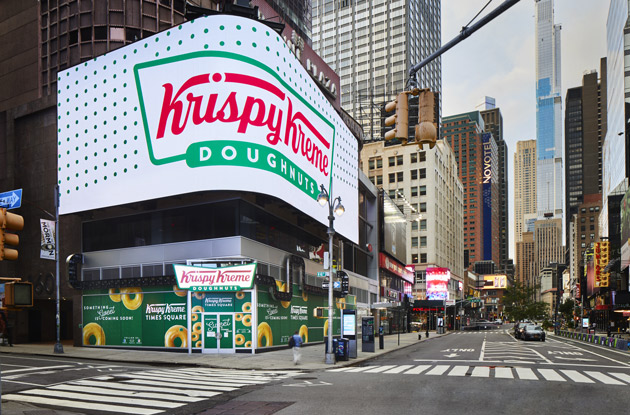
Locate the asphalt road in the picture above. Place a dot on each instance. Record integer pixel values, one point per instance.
(89, 387)
(487, 372)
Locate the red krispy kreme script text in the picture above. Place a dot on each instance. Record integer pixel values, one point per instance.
(215, 277)
(187, 105)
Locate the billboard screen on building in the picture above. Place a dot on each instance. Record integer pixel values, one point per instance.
(218, 103)
(494, 282)
(437, 283)
(394, 230)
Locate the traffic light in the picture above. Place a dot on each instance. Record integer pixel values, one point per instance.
(426, 129)
(12, 222)
(400, 119)
(345, 285)
(72, 263)
(18, 294)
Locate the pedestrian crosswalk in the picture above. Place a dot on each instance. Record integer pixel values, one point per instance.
(145, 392)
(515, 373)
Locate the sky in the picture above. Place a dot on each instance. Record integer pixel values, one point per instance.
(499, 61)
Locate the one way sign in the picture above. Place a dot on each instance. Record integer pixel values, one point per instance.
(11, 199)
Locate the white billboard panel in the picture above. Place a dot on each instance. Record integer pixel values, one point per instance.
(219, 103)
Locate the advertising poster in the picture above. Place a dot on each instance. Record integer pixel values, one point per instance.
(278, 320)
(134, 316)
(625, 231)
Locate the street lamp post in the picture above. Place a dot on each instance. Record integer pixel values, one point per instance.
(333, 206)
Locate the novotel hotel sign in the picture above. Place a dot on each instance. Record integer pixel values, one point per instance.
(486, 188)
(218, 103)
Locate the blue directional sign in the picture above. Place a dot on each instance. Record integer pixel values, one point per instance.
(11, 199)
(336, 284)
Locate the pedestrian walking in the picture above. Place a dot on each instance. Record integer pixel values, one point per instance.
(296, 342)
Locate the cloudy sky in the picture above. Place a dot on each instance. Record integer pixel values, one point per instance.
(499, 61)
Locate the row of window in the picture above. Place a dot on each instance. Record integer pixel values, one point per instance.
(399, 176)
(377, 162)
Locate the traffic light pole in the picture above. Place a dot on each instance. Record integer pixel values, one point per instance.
(465, 32)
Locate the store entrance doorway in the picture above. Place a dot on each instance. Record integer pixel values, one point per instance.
(218, 333)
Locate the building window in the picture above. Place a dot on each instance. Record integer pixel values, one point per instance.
(372, 164)
(414, 191)
(413, 157)
(423, 173)
(392, 161)
(399, 176)
(414, 242)
(414, 258)
(414, 225)
(422, 156)
(423, 190)
(392, 194)
(379, 163)
(379, 180)
(423, 224)
(392, 177)
(399, 160)
(414, 174)
(423, 258)
(423, 242)
(423, 207)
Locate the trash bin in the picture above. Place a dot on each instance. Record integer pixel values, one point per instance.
(335, 345)
(341, 349)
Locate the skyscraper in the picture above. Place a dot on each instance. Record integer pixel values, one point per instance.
(524, 187)
(371, 45)
(477, 157)
(585, 129)
(548, 112)
(493, 121)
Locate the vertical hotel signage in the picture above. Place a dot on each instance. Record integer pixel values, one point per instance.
(203, 106)
(487, 195)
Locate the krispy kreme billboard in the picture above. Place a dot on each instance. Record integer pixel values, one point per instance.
(219, 103)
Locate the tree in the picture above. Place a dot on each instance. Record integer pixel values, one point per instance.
(566, 309)
(518, 303)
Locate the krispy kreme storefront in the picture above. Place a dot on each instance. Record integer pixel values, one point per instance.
(211, 310)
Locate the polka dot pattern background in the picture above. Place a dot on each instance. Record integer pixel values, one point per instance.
(103, 155)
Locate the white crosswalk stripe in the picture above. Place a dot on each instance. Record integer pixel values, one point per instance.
(520, 373)
(147, 392)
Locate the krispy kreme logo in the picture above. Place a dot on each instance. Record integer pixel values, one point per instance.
(215, 279)
(194, 110)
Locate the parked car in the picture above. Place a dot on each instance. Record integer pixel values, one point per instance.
(498, 322)
(533, 332)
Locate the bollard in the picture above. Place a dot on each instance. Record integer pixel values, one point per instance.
(381, 338)
(419, 336)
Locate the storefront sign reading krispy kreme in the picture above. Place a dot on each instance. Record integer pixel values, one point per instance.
(218, 103)
(235, 278)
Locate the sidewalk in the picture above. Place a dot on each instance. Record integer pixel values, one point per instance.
(312, 356)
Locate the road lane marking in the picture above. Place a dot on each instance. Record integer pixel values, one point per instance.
(127, 386)
(576, 376)
(551, 375)
(481, 372)
(483, 349)
(525, 373)
(603, 378)
(417, 370)
(6, 372)
(116, 392)
(100, 398)
(399, 369)
(80, 405)
(341, 369)
(380, 369)
(148, 381)
(359, 369)
(621, 376)
(438, 370)
(503, 373)
(458, 371)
